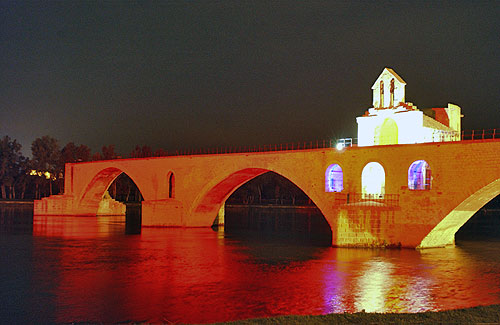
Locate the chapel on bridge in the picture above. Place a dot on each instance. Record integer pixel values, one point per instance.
(392, 120)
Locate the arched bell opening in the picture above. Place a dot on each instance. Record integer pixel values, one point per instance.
(271, 207)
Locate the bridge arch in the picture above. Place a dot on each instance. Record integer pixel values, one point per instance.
(214, 194)
(95, 189)
(444, 233)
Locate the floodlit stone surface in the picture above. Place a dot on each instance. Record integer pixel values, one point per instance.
(444, 233)
(110, 207)
(465, 176)
(391, 120)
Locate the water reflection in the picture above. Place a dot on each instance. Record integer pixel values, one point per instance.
(470, 271)
(82, 269)
(373, 285)
(16, 218)
(377, 281)
(78, 227)
(133, 219)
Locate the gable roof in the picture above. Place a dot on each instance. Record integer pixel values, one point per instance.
(398, 78)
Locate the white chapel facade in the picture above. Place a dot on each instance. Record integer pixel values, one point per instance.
(392, 120)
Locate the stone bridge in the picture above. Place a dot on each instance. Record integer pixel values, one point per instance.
(188, 191)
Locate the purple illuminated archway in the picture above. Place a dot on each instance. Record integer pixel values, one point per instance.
(334, 179)
(419, 176)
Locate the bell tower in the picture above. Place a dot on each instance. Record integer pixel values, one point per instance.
(388, 90)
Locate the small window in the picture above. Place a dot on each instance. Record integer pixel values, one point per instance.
(171, 185)
(419, 176)
(334, 179)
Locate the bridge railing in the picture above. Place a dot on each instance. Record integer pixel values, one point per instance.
(484, 134)
(304, 145)
(364, 199)
(438, 136)
(332, 143)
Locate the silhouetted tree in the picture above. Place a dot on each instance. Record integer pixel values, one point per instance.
(108, 152)
(161, 153)
(136, 153)
(146, 151)
(143, 152)
(46, 159)
(71, 154)
(10, 165)
(97, 156)
(23, 179)
(68, 153)
(82, 153)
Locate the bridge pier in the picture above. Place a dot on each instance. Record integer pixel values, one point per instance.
(64, 205)
(163, 213)
(54, 205)
(110, 207)
(159, 213)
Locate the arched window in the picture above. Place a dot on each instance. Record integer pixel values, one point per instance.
(171, 185)
(381, 94)
(334, 179)
(373, 181)
(419, 176)
(392, 92)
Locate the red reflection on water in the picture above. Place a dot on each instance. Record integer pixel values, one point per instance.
(98, 274)
(77, 227)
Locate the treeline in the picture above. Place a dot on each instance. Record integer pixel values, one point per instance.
(43, 174)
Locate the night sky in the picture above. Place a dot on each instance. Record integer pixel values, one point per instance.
(193, 74)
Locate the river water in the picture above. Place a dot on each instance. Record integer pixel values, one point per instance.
(88, 269)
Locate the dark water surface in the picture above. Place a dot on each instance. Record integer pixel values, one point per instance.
(87, 269)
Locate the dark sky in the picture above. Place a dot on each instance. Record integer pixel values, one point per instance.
(190, 74)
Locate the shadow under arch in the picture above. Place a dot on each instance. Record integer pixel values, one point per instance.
(214, 195)
(444, 233)
(484, 225)
(96, 188)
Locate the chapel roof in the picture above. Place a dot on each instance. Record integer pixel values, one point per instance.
(398, 78)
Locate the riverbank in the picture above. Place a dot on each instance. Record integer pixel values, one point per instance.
(474, 315)
(16, 202)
